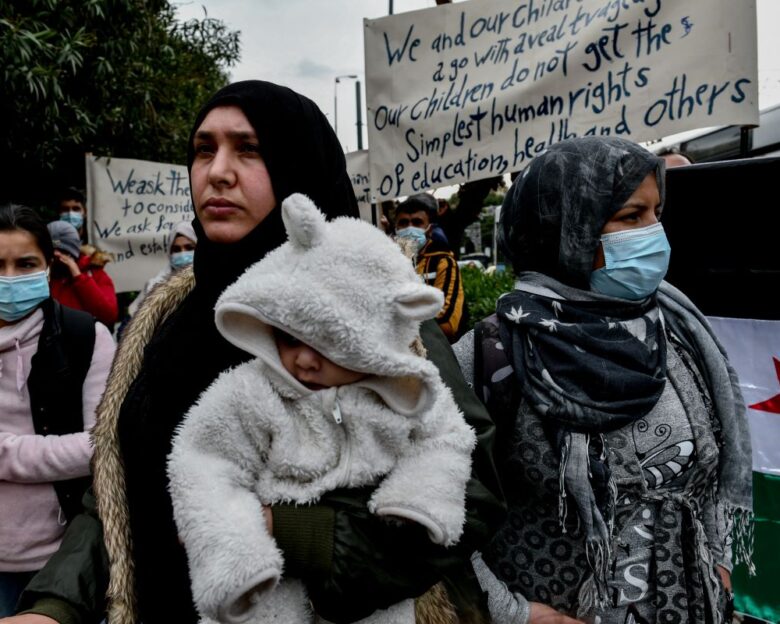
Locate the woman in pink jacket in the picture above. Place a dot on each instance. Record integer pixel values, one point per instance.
(54, 362)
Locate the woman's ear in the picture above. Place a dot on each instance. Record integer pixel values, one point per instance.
(419, 302)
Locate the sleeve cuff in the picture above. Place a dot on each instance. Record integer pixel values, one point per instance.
(56, 609)
(505, 606)
(304, 534)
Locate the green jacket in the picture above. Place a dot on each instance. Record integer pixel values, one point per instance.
(352, 562)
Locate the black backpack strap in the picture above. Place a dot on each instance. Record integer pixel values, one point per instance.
(58, 370)
(78, 332)
(495, 382)
(480, 329)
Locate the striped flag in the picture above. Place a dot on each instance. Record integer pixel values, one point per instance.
(753, 347)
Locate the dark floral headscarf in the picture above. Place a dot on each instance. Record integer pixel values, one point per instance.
(552, 217)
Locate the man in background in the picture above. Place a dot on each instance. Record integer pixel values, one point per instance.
(72, 208)
(436, 262)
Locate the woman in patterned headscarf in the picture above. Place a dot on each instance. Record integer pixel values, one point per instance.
(626, 456)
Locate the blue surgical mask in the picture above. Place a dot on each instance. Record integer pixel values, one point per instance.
(21, 294)
(76, 219)
(181, 259)
(415, 234)
(636, 263)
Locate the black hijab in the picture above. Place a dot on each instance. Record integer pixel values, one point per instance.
(187, 353)
(302, 155)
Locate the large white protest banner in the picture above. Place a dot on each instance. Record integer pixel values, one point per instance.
(359, 175)
(134, 206)
(476, 89)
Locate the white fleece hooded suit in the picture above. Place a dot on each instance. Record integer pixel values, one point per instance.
(258, 436)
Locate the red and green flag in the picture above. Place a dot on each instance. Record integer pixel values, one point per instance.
(754, 350)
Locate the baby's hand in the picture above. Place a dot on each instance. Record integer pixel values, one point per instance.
(268, 516)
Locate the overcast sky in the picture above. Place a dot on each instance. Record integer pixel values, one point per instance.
(306, 44)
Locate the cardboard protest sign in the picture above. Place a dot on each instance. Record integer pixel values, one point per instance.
(134, 205)
(477, 89)
(358, 170)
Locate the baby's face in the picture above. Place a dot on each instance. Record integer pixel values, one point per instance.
(310, 367)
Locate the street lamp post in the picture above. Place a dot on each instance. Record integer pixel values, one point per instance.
(359, 122)
(335, 100)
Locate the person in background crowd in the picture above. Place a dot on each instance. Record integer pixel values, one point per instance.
(431, 206)
(54, 362)
(435, 261)
(78, 279)
(181, 253)
(673, 157)
(386, 209)
(248, 147)
(72, 208)
(625, 448)
(471, 199)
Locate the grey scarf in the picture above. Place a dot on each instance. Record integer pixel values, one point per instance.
(735, 478)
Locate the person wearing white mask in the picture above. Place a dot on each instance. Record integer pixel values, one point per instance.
(181, 253)
(72, 208)
(54, 362)
(435, 261)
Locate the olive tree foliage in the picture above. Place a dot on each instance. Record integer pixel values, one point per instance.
(120, 78)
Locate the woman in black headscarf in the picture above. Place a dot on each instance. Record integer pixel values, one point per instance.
(252, 145)
(626, 456)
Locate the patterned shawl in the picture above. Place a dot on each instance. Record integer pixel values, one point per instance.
(588, 364)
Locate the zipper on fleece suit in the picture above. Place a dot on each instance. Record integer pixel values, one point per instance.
(330, 404)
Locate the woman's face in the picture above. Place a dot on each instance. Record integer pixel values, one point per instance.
(20, 254)
(231, 188)
(182, 243)
(642, 209)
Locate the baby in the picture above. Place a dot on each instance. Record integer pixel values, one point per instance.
(338, 395)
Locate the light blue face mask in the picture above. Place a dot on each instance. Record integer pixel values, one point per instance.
(415, 234)
(181, 259)
(21, 294)
(76, 219)
(636, 263)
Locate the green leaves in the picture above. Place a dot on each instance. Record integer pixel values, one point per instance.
(114, 77)
(482, 289)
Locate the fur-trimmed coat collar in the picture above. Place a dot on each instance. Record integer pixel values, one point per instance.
(109, 477)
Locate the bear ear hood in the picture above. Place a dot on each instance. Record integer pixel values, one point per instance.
(304, 223)
(345, 289)
(418, 302)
